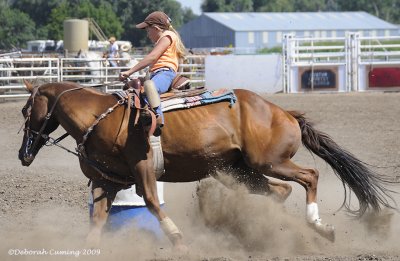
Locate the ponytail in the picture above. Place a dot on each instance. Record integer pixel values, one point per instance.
(180, 47)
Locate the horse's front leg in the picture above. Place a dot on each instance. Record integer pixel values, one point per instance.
(102, 200)
(146, 180)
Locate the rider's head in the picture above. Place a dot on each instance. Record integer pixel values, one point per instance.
(157, 18)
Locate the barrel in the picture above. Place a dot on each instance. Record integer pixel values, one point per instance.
(128, 209)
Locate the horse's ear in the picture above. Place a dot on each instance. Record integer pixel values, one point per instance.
(28, 85)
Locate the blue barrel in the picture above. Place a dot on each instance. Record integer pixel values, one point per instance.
(129, 209)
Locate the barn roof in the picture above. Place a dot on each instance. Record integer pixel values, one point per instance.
(286, 21)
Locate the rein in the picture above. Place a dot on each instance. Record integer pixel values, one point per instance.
(80, 150)
(47, 117)
(106, 174)
(80, 147)
(126, 98)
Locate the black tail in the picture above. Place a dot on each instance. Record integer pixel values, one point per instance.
(367, 185)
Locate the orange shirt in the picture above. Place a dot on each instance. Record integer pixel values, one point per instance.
(170, 57)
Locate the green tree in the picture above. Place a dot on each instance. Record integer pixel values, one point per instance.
(258, 4)
(227, 6)
(385, 9)
(16, 28)
(39, 11)
(102, 12)
(307, 5)
(245, 5)
(332, 5)
(188, 15)
(3, 4)
(120, 17)
(174, 10)
(134, 12)
(57, 16)
(116, 18)
(213, 6)
(275, 6)
(240, 5)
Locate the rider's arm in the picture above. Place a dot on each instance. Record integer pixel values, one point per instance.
(151, 58)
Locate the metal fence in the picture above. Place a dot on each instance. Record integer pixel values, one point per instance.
(85, 71)
(339, 64)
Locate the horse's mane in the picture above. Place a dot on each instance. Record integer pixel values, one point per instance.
(69, 85)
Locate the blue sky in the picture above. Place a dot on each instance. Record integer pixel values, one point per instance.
(193, 4)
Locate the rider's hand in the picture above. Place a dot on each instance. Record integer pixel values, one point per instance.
(123, 76)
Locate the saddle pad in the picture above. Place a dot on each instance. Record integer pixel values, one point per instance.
(119, 94)
(182, 93)
(207, 97)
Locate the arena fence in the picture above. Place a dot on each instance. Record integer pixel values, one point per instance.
(350, 63)
(85, 71)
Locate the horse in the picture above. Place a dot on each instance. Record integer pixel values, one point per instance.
(252, 140)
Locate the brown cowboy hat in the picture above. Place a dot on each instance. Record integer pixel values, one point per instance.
(156, 18)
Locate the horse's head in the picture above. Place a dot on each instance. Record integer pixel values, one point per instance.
(37, 125)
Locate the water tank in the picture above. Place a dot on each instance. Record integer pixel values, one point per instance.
(76, 35)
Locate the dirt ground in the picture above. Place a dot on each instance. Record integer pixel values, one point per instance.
(44, 212)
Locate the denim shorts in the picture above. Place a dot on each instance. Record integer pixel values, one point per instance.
(162, 80)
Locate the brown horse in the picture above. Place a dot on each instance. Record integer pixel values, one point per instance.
(251, 140)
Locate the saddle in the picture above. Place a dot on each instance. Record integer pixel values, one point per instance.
(180, 82)
(174, 99)
(180, 87)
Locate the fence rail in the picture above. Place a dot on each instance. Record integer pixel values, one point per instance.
(85, 71)
(339, 64)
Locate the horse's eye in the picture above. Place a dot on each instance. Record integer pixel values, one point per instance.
(25, 111)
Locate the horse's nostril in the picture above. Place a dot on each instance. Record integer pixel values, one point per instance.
(27, 159)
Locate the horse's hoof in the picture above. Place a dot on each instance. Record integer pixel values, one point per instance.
(93, 239)
(92, 243)
(325, 230)
(181, 249)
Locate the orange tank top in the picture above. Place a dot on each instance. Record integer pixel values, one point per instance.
(170, 57)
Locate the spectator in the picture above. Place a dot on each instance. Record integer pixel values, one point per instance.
(113, 51)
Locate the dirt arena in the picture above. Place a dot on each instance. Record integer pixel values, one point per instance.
(44, 207)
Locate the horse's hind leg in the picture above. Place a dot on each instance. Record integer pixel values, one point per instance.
(277, 189)
(308, 178)
(257, 183)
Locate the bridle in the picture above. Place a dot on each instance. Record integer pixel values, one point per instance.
(29, 132)
(32, 143)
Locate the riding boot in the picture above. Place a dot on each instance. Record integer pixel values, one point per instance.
(159, 125)
(145, 117)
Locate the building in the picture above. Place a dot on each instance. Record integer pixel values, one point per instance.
(265, 30)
